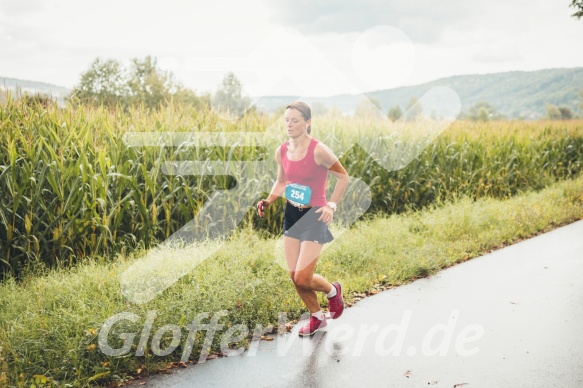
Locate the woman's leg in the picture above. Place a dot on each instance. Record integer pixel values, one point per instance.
(306, 282)
(292, 252)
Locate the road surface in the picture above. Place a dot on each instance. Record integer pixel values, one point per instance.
(511, 318)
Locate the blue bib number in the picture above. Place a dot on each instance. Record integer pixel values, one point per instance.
(298, 193)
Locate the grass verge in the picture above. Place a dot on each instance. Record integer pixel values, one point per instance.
(50, 322)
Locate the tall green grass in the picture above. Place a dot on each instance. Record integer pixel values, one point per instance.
(71, 188)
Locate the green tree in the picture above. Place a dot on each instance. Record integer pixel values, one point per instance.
(185, 96)
(414, 110)
(581, 100)
(578, 5)
(153, 87)
(559, 112)
(482, 111)
(148, 84)
(229, 99)
(553, 112)
(483, 114)
(566, 113)
(105, 83)
(395, 113)
(109, 83)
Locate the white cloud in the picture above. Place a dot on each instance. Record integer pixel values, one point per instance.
(497, 53)
(54, 41)
(22, 7)
(422, 20)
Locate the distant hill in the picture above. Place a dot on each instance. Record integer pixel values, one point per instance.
(32, 87)
(514, 94)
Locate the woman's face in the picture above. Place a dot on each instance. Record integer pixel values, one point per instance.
(295, 123)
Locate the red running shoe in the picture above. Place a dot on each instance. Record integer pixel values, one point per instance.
(336, 303)
(313, 325)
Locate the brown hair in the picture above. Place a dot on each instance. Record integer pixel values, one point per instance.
(304, 109)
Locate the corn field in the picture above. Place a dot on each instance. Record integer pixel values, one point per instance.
(70, 186)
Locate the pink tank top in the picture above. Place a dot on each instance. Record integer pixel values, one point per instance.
(306, 172)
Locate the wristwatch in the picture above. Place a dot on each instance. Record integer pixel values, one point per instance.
(332, 205)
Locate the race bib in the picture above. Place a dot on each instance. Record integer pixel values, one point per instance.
(298, 193)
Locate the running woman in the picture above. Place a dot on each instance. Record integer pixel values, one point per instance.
(302, 170)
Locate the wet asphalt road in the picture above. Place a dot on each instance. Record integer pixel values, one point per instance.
(511, 318)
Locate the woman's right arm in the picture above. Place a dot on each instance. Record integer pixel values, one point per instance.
(278, 188)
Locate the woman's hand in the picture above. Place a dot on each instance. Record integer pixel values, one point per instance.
(261, 205)
(327, 214)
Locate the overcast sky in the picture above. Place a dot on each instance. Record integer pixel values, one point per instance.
(300, 47)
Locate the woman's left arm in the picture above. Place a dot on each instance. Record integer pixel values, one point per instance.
(325, 157)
